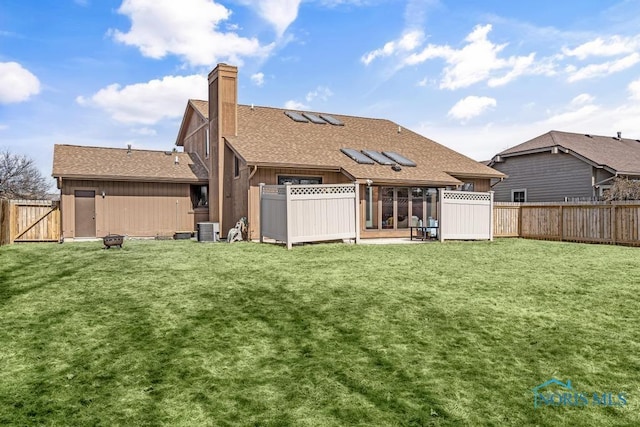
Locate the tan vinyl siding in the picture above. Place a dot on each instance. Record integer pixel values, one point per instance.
(143, 209)
(547, 177)
(481, 185)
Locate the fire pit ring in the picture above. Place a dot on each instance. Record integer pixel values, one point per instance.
(113, 240)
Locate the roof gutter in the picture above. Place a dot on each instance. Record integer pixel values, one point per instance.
(497, 182)
(131, 179)
(294, 166)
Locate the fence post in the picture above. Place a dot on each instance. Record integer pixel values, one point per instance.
(357, 211)
(287, 188)
(519, 220)
(440, 229)
(13, 221)
(260, 211)
(491, 217)
(613, 223)
(561, 223)
(4, 224)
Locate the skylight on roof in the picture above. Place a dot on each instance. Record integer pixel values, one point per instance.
(400, 159)
(378, 157)
(357, 156)
(296, 117)
(332, 120)
(314, 119)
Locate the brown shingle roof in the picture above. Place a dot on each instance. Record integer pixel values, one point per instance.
(266, 136)
(201, 106)
(72, 161)
(620, 155)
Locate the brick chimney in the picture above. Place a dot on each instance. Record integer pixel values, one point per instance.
(223, 121)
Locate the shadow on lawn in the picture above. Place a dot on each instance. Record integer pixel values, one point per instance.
(26, 269)
(314, 344)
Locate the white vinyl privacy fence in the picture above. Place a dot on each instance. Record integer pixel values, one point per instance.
(466, 215)
(309, 213)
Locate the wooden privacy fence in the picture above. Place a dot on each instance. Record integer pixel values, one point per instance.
(589, 222)
(29, 221)
(309, 213)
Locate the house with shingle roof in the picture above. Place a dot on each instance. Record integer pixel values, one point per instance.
(230, 149)
(129, 192)
(564, 166)
(399, 171)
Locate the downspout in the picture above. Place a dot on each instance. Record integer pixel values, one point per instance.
(497, 182)
(253, 172)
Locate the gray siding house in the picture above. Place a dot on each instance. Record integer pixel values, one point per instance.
(563, 166)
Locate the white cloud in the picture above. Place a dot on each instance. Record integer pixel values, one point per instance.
(187, 29)
(471, 106)
(519, 65)
(583, 98)
(321, 92)
(580, 115)
(334, 3)
(295, 105)
(279, 13)
(17, 84)
(407, 43)
(477, 61)
(491, 138)
(634, 89)
(145, 131)
(148, 103)
(258, 79)
(604, 69)
(613, 46)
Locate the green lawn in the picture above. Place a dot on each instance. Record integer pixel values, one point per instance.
(192, 334)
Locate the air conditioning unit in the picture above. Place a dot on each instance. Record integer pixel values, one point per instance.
(208, 231)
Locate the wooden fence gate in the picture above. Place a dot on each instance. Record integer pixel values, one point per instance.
(29, 221)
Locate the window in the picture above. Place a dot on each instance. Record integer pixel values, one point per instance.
(402, 210)
(199, 196)
(519, 195)
(371, 206)
(402, 207)
(299, 180)
(467, 186)
(387, 207)
(236, 167)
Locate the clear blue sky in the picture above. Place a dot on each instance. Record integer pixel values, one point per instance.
(476, 76)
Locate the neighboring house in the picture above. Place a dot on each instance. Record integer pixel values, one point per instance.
(244, 146)
(563, 166)
(129, 192)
